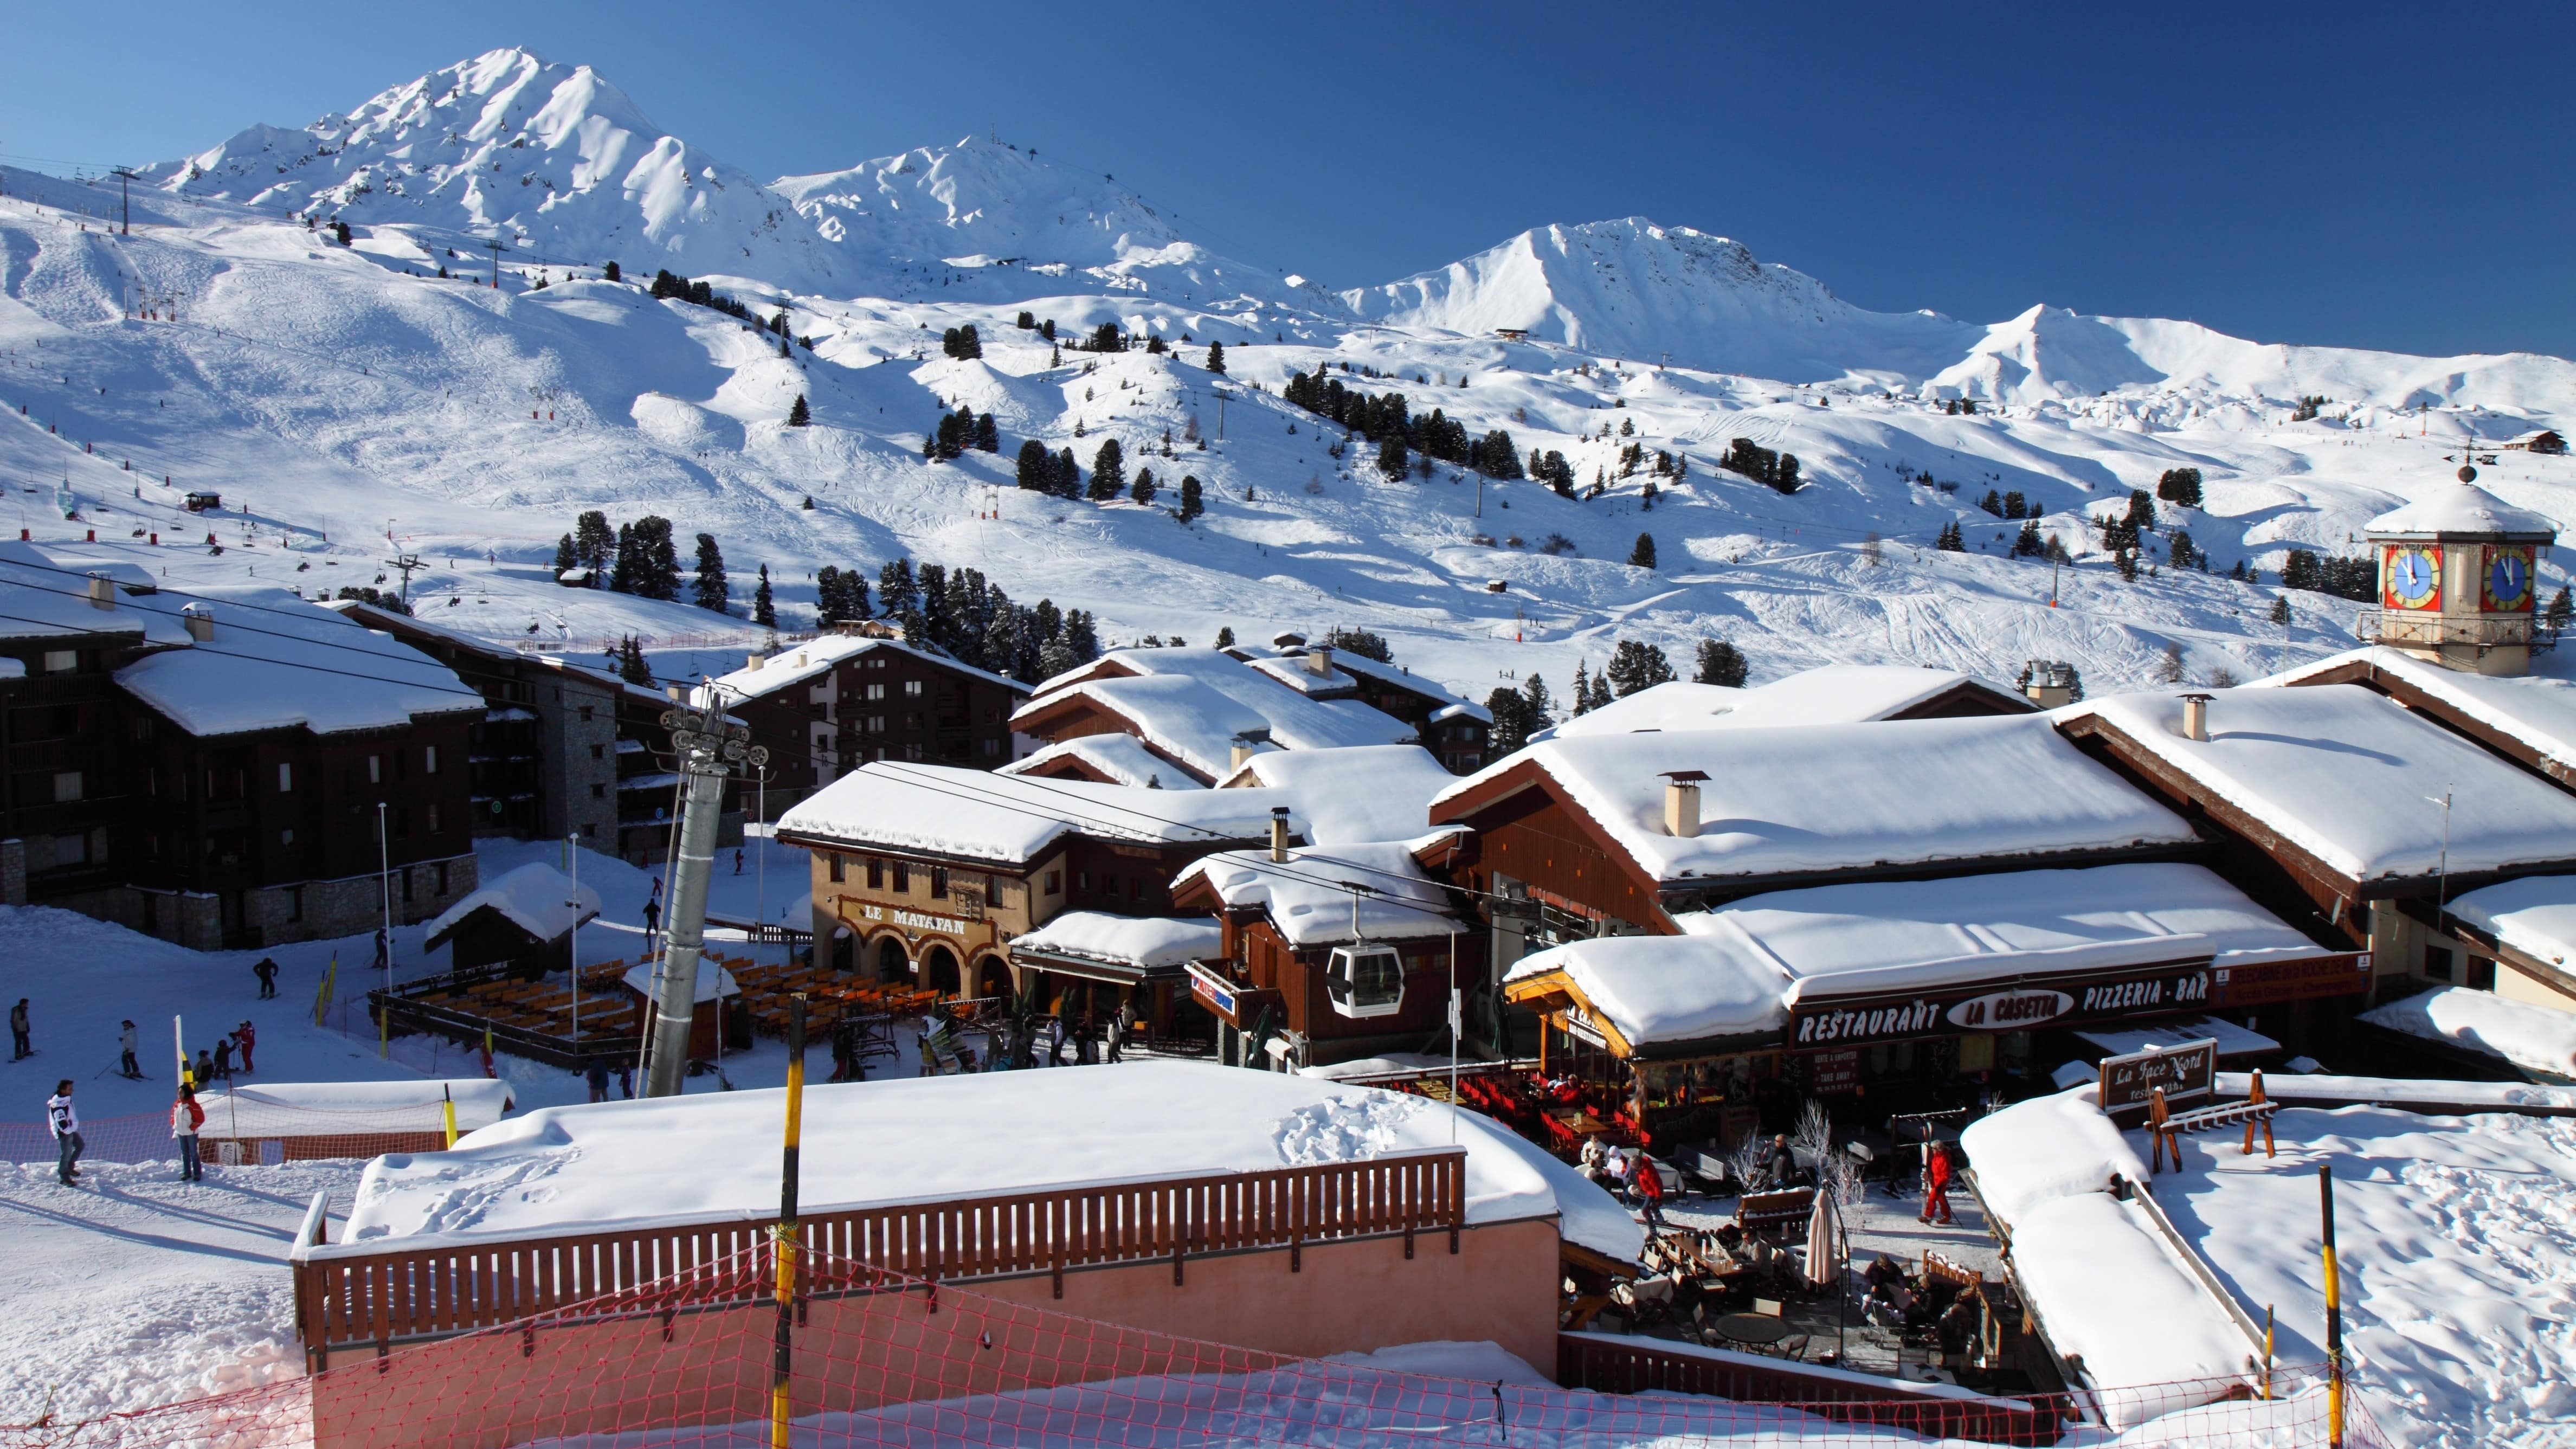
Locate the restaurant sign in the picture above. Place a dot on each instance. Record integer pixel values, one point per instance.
(2183, 1072)
(2015, 1009)
(1211, 990)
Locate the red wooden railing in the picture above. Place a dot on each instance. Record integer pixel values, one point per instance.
(355, 1295)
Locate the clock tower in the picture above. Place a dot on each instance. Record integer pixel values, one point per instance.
(2456, 582)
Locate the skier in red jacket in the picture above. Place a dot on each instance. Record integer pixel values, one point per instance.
(1936, 1177)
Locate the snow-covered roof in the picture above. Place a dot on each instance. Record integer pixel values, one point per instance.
(1841, 796)
(1309, 900)
(2534, 711)
(2457, 509)
(570, 1169)
(1741, 969)
(1289, 667)
(277, 661)
(1827, 694)
(2046, 1148)
(2536, 1038)
(713, 980)
(2158, 1326)
(1143, 942)
(1012, 819)
(42, 596)
(1123, 758)
(537, 898)
(1365, 792)
(1192, 704)
(1292, 670)
(2233, 1040)
(2352, 779)
(2535, 915)
(801, 663)
(331, 1109)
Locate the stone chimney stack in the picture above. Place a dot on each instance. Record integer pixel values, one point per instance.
(2195, 717)
(1279, 834)
(200, 622)
(1681, 802)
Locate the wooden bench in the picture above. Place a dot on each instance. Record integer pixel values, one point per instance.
(2166, 1127)
(1760, 1211)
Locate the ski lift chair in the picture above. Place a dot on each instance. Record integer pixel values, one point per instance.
(1364, 978)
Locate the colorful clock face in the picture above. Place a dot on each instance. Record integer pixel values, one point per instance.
(2410, 576)
(2507, 582)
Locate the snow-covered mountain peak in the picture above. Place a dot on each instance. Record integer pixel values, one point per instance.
(554, 158)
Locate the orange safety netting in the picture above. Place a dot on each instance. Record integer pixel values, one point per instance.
(880, 1359)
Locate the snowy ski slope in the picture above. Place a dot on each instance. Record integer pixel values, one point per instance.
(357, 403)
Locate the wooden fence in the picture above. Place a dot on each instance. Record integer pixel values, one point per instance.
(1617, 1365)
(357, 1295)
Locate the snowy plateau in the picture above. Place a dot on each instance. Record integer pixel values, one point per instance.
(346, 401)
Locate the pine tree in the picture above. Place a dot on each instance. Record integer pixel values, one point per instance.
(1721, 663)
(799, 415)
(1634, 666)
(2561, 611)
(567, 558)
(609, 273)
(1037, 469)
(1154, 344)
(2142, 513)
(1216, 358)
(1108, 472)
(988, 436)
(710, 591)
(1391, 459)
(1225, 637)
(1105, 338)
(1582, 690)
(2281, 609)
(660, 575)
(1643, 555)
(631, 663)
(1082, 635)
(596, 543)
(340, 232)
(2180, 550)
(1601, 689)
(1068, 475)
(1511, 728)
(2028, 543)
(898, 592)
(1191, 503)
(630, 561)
(1539, 708)
(764, 609)
(1950, 540)
(1143, 491)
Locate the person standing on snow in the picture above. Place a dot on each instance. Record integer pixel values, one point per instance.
(126, 1042)
(64, 1123)
(205, 1067)
(596, 1076)
(652, 922)
(248, 1036)
(185, 1118)
(20, 1048)
(224, 1058)
(1936, 1178)
(266, 971)
(1650, 1190)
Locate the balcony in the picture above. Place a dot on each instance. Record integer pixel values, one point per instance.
(2404, 630)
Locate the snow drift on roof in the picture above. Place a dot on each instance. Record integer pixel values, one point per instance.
(1366, 792)
(977, 815)
(1144, 942)
(43, 596)
(1309, 899)
(2113, 1292)
(1827, 694)
(2354, 779)
(1193, 703)
(2461, 508)
(563, 1169)
(2535, 915)
(277, 661)
(2534, 710)
(1847, 796)
(1741, 968)
(800, 664)
(537, 898)
(1123, 758)
(2044, 1149)
(2533, 1037)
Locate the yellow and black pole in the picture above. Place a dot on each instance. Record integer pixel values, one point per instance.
(2334, 1314)
(782, 1354)
(447, 1107)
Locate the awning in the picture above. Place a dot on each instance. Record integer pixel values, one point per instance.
(2233, 1040)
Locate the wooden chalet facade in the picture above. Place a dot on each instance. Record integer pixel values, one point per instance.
(827, 706)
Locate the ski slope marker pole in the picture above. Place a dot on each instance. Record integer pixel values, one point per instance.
(447, 1109)
(782, 1358)
(2334, 1312)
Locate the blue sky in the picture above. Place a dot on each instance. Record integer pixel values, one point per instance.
(2355, 175)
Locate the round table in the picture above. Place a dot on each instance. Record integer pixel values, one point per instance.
(1751, 1328)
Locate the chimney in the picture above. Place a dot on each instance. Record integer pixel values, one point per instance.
(1279, 834)
(200, 622)
(1241, 754)
(1319, 661)
(2049, 683)
(1681, 802)
(754, 661)
(2195, 717)
(102, 592)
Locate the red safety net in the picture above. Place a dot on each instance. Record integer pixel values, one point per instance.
(276, 1135)
(879, 1359)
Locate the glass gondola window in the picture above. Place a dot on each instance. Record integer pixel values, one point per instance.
(1364, 978)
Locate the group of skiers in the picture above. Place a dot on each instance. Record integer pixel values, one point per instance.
(187, 1117)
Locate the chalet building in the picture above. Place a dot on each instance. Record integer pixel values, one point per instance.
(1832, 694)
(1330, 953)
(521, 923)
(1458, 731)
(294, 776)
(1105, 759)
(66, 821)
(1202, 711)
(931, 874)
(829, 705)
(2370, 814)
(563, 749)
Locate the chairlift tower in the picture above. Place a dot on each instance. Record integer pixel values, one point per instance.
(408, 563)
(707, 747)
(125, 176)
